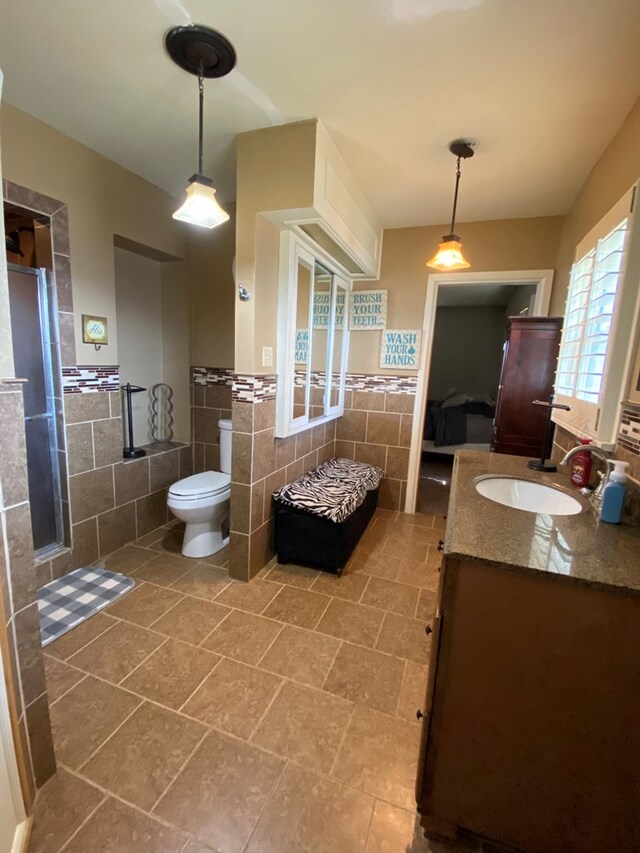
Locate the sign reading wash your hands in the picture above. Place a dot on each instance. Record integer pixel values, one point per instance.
(400, 348)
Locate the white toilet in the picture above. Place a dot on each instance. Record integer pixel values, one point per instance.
(202, 501)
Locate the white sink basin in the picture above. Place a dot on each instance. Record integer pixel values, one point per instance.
(528, 496)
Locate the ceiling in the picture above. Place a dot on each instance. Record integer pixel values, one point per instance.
(542, 86)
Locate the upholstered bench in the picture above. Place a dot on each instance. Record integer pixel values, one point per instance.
(320, 517)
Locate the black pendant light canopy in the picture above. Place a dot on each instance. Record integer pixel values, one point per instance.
(205, 53)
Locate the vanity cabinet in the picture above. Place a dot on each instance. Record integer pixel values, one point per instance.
(528, 373)
(531, 734)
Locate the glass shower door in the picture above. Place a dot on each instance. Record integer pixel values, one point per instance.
(32, 359)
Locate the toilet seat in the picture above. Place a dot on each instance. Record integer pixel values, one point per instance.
(199, 486)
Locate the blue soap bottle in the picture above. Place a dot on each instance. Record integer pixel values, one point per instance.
(613, 494)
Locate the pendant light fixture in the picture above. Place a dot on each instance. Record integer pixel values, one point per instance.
(205, 53)
(449, 255)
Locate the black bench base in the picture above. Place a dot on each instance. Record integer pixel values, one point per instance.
(310, 540)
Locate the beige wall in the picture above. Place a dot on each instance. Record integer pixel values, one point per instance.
(103, 200)
(275, 172)
(213, 294)
(613, 174)
(502, 244)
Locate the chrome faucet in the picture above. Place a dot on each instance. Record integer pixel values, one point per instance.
(596, 497)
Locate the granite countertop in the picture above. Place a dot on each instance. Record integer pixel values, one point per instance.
(579, 547)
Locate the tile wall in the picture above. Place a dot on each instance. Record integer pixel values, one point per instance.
(111, 501)
(210, 402)
(19, 628)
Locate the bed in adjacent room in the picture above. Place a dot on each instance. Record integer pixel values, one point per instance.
(459, 422)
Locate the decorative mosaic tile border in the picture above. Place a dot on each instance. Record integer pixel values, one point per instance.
(83, 379)
(384, 384)
(629, 434)
(212, 376)
(253, 389)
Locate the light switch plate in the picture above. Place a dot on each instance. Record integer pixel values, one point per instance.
(267, 356)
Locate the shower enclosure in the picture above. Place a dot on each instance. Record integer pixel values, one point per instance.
(33, 348)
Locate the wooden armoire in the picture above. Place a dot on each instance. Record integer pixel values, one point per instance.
(528, 373)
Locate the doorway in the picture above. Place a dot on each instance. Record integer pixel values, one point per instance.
(462, 308)
(33, 349)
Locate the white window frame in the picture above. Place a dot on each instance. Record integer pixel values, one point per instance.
(599, 421)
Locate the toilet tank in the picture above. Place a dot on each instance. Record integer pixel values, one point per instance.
(225, 445)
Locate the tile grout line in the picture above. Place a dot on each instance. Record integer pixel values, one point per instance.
(205, 734)
(144, 660)
(84, 822)
(108, 738)
(279, 689)
(267, 802)
(199, 685)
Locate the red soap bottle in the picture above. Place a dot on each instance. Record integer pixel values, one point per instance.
(581, 467)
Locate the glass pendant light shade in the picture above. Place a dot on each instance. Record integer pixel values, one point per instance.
(449, 255)
(200, 206)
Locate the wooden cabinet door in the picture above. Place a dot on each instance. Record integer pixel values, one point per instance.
(528, 373)
(533, 736)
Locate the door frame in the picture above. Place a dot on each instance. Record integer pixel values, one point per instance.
(542, 279)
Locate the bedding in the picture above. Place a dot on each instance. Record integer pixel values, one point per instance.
(454, 425)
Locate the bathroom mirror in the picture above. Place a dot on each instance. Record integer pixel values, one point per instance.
(312, 338)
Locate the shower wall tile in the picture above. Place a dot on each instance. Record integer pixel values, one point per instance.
(79, 455)
(13, 459)
(107, 441)
(86, 407)
(116, 528)
(21, 570)
(91, 493)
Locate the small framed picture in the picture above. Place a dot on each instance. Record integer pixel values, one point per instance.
(634, 390)
(94, 330)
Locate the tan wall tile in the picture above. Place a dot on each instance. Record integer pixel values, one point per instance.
(264, 415)
(91, 493)
(406, 426)
(352, 426)
(372, 401)
(21, 570)
(80, 448)
(92, 406)
(85, 542)
(115, 400)
(303, 443)
(240, 507)
(13, 459)
(108, 441)
(398, 463)
(400, 403)
(164, 469)
(372, 454)
(151, 512)
(217, 397)
(239, 556)
(27, 628)
(390, 495)
(40, 740)
(317, 437)
(326, 452)
(260, 548)
(285, 451)
(310, 461)
(185, 457)
(198, 458)
(131, 479)
(212, 457)
(205, 425)
(330, 431)
(242, 417)
(264, 455)
(295, 470)
(197, 395)
(345, 449)
(257, 505)
(271, 483)
(116, 528)
(383, 428)
(241, 457)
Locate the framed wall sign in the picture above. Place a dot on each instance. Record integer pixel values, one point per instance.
(302, 346)
(400, 348)
(322, 308)
(367, 310)
(94, 330)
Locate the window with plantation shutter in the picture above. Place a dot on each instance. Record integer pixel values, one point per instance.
(601, 310)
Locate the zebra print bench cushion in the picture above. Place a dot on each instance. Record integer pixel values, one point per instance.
(333, 490)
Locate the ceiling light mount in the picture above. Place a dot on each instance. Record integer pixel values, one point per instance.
(196, 48)
(449, 255)
(205, 53)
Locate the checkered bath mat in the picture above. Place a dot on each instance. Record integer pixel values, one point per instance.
(68, 601)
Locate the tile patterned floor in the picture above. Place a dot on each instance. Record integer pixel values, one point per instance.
(201, 714)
